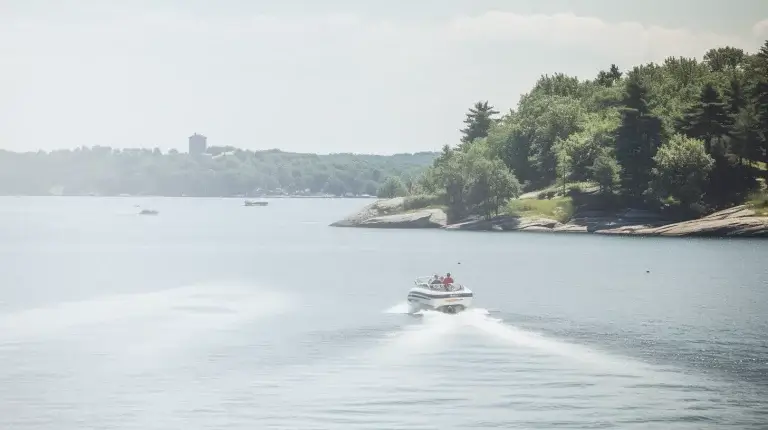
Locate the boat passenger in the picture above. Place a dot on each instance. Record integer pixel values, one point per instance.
(447, 280)
(435, 280)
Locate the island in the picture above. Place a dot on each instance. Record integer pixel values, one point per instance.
(678, 148)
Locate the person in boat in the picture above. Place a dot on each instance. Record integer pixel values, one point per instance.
(435, 280)
(447, 281)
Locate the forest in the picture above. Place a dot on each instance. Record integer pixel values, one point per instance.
(221, 172)
(687, 136)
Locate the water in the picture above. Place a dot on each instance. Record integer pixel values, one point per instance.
(214, 315)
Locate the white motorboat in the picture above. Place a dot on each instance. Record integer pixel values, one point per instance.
(451, 298)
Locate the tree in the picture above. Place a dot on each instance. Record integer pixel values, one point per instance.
(504, 186)
(607, 172)
(564, 164)
(725, 58)
(235, 172)
(392, 187)
(682, 169)
(735, 97)
(610, 77)
(475, 182)
(583, 147)
(489, 183)
(708, 119)
(452, 179)
(745, 141)
(478, 122)
(637, 139)
(511, 142)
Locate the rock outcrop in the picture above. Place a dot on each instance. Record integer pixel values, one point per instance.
(425, 218)
(594, 221)
(391, 213)
(736, 221)
(506, 223)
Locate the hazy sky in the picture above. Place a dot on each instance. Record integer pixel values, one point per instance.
(317, 75)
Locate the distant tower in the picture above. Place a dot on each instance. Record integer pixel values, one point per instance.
(197, 144)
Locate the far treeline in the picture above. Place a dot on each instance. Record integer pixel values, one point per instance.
(222, 171)
(685, 137)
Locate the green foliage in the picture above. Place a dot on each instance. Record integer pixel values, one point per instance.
(474, 182)
(560, 209)
(607, 172)
(610, 77)
(223, 171)
(421, 201)
(637, 138)
(758, 202)
(609, 131)
(682, 167)
(392, 187)
(583, 147)
(708, 119)
(478, 121)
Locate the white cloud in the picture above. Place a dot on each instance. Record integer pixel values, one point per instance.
(760, 29)
(631, 41)
(628, 40)
(167, 73)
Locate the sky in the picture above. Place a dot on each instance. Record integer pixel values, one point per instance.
(322, 76)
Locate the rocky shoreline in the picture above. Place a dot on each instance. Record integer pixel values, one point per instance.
(739, 221)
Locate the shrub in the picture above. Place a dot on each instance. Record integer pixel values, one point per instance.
(560, 209)
(422, 201)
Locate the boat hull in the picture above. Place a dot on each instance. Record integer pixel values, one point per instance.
(441, 301)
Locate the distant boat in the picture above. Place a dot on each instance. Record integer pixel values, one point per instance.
(148, 212)
(255, 203)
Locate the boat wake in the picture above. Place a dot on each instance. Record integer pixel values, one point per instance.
(400, 308)
(197, 305)
(436, 327)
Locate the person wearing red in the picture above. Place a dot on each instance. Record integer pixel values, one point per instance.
(447, 280)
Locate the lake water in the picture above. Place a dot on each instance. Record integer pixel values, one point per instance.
(212, 315)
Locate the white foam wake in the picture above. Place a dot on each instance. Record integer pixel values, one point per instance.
(197, 304)
(400, 308)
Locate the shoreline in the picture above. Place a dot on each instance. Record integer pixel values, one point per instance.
(194, 197)
(738, 221)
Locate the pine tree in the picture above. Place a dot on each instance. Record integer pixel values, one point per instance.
(479, 121)
(708, 119)
(637, 139)
(736, 97)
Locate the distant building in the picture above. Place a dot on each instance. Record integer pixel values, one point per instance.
(197, 144)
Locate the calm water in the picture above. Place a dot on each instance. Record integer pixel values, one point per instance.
(214, 315)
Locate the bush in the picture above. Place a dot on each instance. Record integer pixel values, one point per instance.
(422, 201)
(546, 195)
(560, 209)
(392, 187)
(758, 202)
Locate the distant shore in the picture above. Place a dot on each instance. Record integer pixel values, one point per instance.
(206, 197)
(739, 221)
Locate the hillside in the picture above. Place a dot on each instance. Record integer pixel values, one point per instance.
(223, 171)
(686, 138)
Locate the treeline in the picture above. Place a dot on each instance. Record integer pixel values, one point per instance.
(685, 135)
(223, 171)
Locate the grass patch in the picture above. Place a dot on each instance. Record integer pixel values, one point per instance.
(422, 201)
(560, 208)
(557, 190)
(758, 202)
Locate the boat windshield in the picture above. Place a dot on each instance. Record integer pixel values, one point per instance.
(426, 282)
